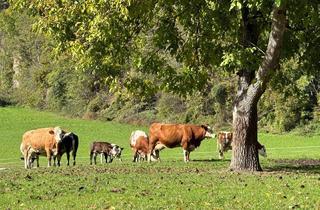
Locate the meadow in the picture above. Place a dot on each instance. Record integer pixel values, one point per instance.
(291, 176)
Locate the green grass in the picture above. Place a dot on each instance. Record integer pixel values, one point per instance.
(291, 178)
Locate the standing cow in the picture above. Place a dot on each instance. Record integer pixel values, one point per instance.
(224, 143)
(186, 136)
(139, 143)
(69, 142)
(110, 151)
(40, 141)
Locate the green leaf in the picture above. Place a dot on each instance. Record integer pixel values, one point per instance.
(278, 3)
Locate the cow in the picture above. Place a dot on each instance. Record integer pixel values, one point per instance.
(31, 156)
(69, 142)
(40, 141)
(187, 136)
(104, 148)
(139, 143)
(224, 142)
(117, 151)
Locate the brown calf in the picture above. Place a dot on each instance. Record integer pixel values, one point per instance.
(139, 143)
(108, 150)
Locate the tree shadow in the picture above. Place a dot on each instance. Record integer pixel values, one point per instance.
(300, 166)
(4, 103)
(209, 160)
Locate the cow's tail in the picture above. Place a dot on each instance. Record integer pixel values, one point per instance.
(133, 139)
(21, 150)
(75, 144)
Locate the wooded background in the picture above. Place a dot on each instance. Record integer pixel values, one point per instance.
(168, 61)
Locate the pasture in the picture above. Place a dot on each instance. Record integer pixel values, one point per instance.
(291, 177)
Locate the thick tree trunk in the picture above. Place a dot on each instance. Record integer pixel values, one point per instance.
(245, 153)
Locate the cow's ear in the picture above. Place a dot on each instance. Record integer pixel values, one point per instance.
(51, 132)
(121, 148)
(204, 127)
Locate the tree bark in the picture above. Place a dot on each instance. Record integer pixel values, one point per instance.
(245, 119)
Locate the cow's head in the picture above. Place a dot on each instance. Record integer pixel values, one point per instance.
(116, 151)
(262, 151)
(58, 134)
(209, 131)
(225, 137)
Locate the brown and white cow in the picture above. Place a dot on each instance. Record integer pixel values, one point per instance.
(139, 143)
(110, 151)
(40, 141)
(186, 136)
(224, 143)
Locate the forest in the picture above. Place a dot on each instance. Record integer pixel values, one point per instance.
(139, 63)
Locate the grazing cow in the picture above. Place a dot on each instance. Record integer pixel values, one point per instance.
(40, 141)
(139, 143)
(186, 136)
(225, 140)
(117, 151)
(69, 142)
(105, 148)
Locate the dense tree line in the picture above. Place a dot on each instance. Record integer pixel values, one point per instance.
(51, 82)
(171, 61)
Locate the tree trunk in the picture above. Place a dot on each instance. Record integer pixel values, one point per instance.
(16, 67)
(245, 153)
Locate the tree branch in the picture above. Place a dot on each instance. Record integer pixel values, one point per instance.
(272, 56)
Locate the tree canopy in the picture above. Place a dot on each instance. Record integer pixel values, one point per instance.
(196, 49)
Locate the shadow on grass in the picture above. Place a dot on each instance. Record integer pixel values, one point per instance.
(300, 165)
(210, 160)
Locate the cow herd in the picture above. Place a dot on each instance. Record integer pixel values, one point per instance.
(54, 142)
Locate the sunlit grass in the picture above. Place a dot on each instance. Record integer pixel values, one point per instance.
(204, 183)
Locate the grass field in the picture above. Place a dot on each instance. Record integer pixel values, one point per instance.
(291, 177)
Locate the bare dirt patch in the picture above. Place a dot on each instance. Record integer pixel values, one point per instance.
(311, 166)
(299, 162)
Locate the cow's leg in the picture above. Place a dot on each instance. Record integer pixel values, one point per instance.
(110, 159)
(68, 158)
(152, 144)
(91, 156)
(59, 159)
(95, 158)
(105, 157)
(221, 154)
(25, 156)
(185, 150)
(188, 156)
(29, 159)
(54, 160)
(49, 157)
(185, 155)
(101, 157)
(37, 159)
(135, 155)
(74, 154)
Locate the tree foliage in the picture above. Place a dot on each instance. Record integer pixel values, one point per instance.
(124, 50)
